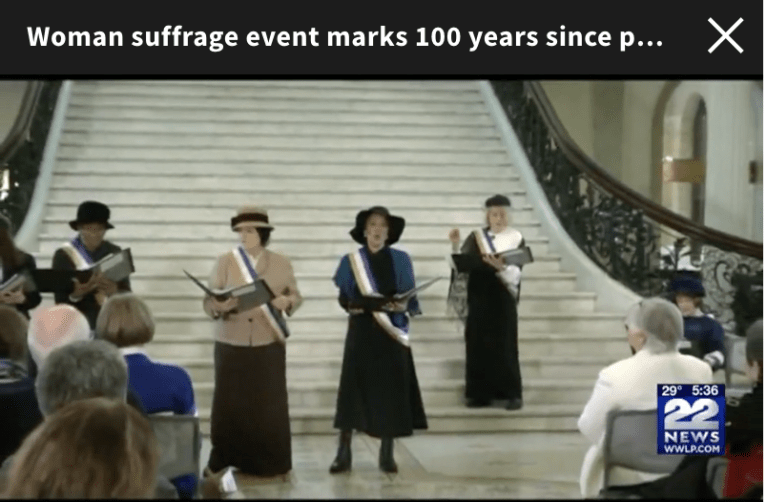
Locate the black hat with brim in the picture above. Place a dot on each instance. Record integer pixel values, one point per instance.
(688, 284)
(396, 225)
(498, 200)
(91, 212)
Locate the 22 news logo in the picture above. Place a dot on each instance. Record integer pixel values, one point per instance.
(691, 419)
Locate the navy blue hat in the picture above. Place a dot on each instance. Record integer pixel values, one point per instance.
(498, 200)
(688, 284)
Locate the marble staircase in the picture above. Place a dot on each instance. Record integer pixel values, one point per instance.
(173, 159)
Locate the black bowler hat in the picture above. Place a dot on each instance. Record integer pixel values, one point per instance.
(498, 200)
(396, 225)
(91, 212)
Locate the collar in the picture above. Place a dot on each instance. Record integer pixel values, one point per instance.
(129, 351)
(505, 231)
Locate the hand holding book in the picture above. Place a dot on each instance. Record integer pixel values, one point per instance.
(13, 297)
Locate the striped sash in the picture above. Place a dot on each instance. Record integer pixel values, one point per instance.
(248, 271)
(77, 252)
(365, 281)
(484, 242)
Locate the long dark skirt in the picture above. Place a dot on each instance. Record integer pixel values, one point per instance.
(250, 425)
(492, 353)
(378, 393)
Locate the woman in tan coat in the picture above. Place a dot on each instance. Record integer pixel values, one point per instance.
(250, 425)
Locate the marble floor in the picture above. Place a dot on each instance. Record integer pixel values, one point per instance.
(504, 466)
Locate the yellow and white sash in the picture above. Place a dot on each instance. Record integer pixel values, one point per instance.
(250, 280)
(365, 282)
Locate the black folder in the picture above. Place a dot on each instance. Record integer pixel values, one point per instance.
(468, 262)
(249, 295)
(377, 303)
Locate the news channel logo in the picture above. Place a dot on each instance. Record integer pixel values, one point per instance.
(691, 419)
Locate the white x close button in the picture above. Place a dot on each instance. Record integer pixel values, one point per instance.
(725, 36)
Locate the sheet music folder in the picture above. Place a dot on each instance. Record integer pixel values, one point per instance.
(468, 262)
(23, 281)
(249, 296)
(378, 302)
(115, 267)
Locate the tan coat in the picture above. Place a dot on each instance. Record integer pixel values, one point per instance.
(251, 328)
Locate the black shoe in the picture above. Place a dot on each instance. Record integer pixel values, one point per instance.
(476, 403)
(343, 461)
(514, 404)
(386, 459)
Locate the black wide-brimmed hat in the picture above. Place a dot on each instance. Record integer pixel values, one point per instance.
(396, 225)
(688, 284)
(91, 212)
(498, 200)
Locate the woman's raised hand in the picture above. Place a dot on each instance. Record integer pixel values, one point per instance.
(455, 236)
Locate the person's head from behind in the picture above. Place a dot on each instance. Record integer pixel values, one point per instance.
(91, 448)
(13, 335)
(53, 327)
(754, 351)
(654, 323)
(81, 370)
(125, 320)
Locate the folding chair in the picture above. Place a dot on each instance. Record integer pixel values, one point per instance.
(631, 441)
(179, 442)
(715, 471)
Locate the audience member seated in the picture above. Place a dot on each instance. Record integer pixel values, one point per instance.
(655, 328)
(59, 325)
(744, 434)
(125, 320)
(82, 370)
(95, 448)
(19, 413)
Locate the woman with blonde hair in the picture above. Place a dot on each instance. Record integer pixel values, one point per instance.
(125, 321)
(95, 448)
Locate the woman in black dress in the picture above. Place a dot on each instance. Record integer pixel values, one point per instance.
(378, 392)
(13, 261)
(486, 299)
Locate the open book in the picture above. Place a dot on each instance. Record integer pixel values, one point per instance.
(468, 262)
(23, 281)
(115, 267)
(249, 296)
(377, 302)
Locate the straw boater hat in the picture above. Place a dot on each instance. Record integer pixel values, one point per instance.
(91, 212)
(251, 216)
(396, 225)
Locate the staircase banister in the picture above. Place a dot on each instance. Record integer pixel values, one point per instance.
(22, 123)
(607, 182)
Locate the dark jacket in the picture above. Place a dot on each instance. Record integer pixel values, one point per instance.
(33, 298)
(88, 305)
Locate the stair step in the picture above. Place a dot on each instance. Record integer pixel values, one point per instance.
(149, 285)
(447, 419)
(428, 368)
(278, 104)
(342, 185)
(449, 344)
(286, 154)
(336, 96)
(284, 171)
(363, 198)
(323, 86)
(202, 265)
(280, 130)
(214, 116)
(309, 246)
(315, 304)
(323, 393)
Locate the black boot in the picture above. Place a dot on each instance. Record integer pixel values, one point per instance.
(386, 458)
(343, 461)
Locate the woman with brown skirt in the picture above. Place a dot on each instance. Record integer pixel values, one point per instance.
(250, 424)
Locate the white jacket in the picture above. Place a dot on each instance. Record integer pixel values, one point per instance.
(630, 384)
